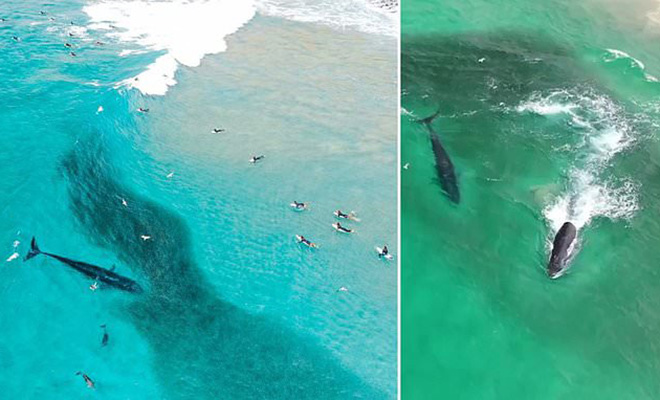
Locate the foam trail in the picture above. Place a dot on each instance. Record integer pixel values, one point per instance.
(606, 132)
(185, 31)
(614, 54)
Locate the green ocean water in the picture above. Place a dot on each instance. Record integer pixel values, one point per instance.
(549, 112)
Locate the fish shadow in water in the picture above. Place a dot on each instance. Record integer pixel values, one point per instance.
(203, 347)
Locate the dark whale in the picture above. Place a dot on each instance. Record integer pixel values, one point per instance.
(444, 168)
(103, 275)
(560, 250)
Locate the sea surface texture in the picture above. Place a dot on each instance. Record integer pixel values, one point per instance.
(107, 110)
(549, 112)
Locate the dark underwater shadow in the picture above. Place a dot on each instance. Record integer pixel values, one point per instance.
(203, 347)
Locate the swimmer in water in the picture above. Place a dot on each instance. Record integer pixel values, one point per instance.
(104, 340)
(94, 286)
(306, 242)
(299, 206)
(218, 130)
(88, 380)
(143, 110)
(351, 215)
(254, 159)
(342, 229)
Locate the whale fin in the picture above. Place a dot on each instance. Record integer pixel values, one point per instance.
(34, 249)
(429, 120)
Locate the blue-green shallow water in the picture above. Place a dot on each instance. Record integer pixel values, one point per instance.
(233, 307)
(544, 124)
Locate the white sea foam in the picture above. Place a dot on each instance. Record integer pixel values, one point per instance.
(606, 131)
(185, 31)
(614, 54)
(370, 16)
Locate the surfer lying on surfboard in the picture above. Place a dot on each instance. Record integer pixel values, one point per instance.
(351, 215)
(299, 205)
(340, 228)
(303, 240)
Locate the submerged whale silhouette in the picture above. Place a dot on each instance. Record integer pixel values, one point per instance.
(561, 250)
(103, 275)
(444, 168)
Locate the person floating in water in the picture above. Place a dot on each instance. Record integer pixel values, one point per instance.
(351, 215)
(254, 159)
(218, 130)
(340, 228)
(143, 110)
(303, 240)
(299, 205)
(104, 340)
(88, 380)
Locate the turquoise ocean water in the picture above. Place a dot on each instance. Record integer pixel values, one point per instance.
(550, 113)
(234, 308)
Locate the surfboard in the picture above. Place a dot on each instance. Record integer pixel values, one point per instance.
(380, 253)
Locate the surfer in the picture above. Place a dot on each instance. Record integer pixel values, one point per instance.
(16, 38)
(340, 228)
(143, 110)
(88, 380)
(218, 130)
(69, 45)
(254, 159)
(299, 205)
(384, 252)
(351, 215)
(94, 286)
(72, 54)
(303, 240)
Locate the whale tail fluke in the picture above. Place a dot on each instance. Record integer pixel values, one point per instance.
(429, 120)
(34, 249)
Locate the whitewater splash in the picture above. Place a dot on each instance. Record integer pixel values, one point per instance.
(184, 30)
(612, 55)
(606, 131)
(370, 16)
